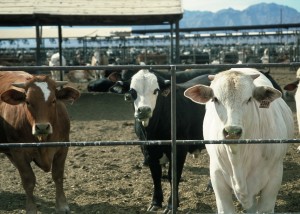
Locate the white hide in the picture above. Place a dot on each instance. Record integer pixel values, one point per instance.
(295, 96)
(144, 83)
(54, 61)
(297, 100)
(247, 170)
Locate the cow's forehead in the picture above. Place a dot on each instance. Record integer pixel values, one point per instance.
(232, 82)
(144, 80)
(44, 88)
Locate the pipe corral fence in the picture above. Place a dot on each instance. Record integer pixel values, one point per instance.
(173, 142)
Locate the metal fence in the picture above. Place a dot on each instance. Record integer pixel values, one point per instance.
(173, 142)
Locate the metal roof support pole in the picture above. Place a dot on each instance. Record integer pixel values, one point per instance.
(177, 50)
(38, 45)
(173, 140)
(61, 72)
(172, 43)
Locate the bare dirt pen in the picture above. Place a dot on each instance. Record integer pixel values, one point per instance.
(111, 179)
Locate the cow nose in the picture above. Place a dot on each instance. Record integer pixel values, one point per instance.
(232, 132)
(143, 112)
(42, 129)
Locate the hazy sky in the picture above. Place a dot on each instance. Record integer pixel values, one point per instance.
(216, 5)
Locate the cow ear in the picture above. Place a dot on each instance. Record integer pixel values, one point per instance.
(291, 86)
(120, 87)
(67, 94)
(13, 97)
(265, 95)
(114, 77)
(200, 94)
(165, 87)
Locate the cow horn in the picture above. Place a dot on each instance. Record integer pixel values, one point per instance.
(19, 84)
(60, 83)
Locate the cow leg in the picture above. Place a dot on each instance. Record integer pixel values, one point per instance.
(28, 180)
(267, 200)
(57, 176)
(156, 173)
(222, 191)
(181, 156)
(146, 156)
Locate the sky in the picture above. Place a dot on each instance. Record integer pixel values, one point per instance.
(216, 5)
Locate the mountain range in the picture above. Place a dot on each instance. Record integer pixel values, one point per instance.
(258, 14)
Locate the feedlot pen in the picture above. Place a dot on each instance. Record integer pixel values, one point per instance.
(111, 179)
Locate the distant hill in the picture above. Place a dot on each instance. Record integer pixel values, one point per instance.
(259, 14)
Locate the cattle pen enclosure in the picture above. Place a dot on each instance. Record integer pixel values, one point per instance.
(111, 179)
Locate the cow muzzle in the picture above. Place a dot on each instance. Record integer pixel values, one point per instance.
(232, 132)
(143, 114)
(42, 130)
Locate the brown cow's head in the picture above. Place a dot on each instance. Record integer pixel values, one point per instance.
(39, 96)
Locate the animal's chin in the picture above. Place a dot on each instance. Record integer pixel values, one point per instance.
(41, 137)
(144, 122)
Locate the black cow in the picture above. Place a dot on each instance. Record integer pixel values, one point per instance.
(103, 84)
(152, 103)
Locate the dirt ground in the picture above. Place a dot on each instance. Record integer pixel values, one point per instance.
(111, 179)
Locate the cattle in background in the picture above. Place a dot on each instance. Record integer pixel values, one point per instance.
(54, 61)
(152, 59)
(242, 104)
(97, 60)
(265, 57)
(32, 109)
(152, 104)
(81, 76)
(104, 84)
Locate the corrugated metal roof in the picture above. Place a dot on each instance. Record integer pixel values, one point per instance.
(67, 32)
(89, 12)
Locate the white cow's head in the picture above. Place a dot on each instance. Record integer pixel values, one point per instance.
(233, 96)
(143, 91)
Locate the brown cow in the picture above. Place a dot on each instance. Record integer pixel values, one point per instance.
(32, 110)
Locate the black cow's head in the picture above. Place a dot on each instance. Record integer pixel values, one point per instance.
(142, 90)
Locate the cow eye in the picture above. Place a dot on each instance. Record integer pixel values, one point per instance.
(156, 91)
(131, 95)
(53, 101)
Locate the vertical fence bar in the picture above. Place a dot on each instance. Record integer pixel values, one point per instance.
(61, 72)
(173, 139)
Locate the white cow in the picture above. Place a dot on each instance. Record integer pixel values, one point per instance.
(54, 61)
(292, 88)
(242, 104)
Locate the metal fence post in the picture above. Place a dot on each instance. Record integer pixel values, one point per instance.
(173, 139)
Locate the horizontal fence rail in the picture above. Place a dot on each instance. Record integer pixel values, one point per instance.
(148, 143)
(137, 67)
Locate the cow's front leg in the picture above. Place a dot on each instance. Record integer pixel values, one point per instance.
(57, 175)
(181, 156)
(28, 180)
(268, 196)
(156, 173)
(222, 192)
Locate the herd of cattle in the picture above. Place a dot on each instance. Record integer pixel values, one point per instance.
(212, 104)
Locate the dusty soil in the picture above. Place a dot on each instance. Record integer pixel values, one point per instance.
(111, 179)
